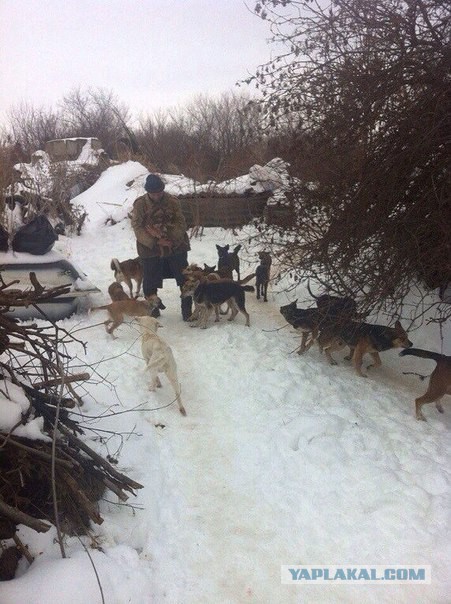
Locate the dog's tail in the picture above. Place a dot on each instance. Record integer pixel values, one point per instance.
(248, 288)
(115, 266)
(424, 354)
(237, 249)
(246, 279)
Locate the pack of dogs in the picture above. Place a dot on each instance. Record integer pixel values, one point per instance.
(334, 322)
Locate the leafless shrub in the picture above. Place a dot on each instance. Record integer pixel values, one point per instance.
(29, 128)
(368, 86)
(95, 112)
(206, 139)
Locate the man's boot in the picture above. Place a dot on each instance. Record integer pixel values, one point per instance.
(156, 311)
(187, 304)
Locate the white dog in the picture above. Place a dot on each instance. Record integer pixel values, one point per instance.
(158, 357)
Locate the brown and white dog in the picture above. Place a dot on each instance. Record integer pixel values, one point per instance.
(158, 357)
(128, 308)
(127, 270)
(439, 382)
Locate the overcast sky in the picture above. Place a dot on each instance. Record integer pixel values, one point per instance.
(150, 53)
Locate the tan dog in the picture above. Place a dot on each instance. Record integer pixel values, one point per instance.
(158, 357)
(439, 382)
(117, 293)
(126, 271)
(127, 308)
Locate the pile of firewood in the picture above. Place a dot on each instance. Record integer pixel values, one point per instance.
(58, 480)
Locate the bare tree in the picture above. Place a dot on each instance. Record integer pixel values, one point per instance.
(95, 112)
(29, 128)
(367, 82)
(208, 138)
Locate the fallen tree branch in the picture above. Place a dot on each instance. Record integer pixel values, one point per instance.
(19, 517)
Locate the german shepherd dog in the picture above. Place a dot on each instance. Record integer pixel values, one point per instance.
(309, 321)
(126, 271)
(228, 261)
(262, 273)
(305, 320)
(362, 338)
(128, 308)
(335, 306)
(439, 382)
(209, 294)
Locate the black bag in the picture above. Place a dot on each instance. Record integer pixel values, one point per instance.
(3, 239)
(37, 237)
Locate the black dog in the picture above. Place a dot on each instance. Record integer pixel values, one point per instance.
(262, 275)
(209, 294)
(228, 261)
(331, 312)
(305, 320)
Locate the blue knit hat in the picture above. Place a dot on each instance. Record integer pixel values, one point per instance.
(154, 184)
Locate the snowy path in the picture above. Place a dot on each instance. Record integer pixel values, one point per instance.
(281, 460)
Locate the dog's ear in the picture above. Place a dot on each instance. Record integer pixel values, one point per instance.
(218, 247)
(398, 326)
(161, 305)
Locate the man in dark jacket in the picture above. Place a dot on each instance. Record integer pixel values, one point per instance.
(161, 238)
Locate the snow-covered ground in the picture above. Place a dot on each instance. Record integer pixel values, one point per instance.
(281, 460)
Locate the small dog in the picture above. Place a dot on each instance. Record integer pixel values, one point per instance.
(194, 273)
(126, 271)
(209, 294)
(158, 357)
(117, 292)
(228, 261)
(439, 382)
(128, 308)
(262, 274)
(362, 338)
(305, 320)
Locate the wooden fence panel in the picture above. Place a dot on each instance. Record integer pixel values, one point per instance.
(225, 212)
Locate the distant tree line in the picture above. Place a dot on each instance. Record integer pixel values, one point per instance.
(208, 138)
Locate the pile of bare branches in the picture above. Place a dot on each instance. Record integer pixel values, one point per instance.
(58, 480)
